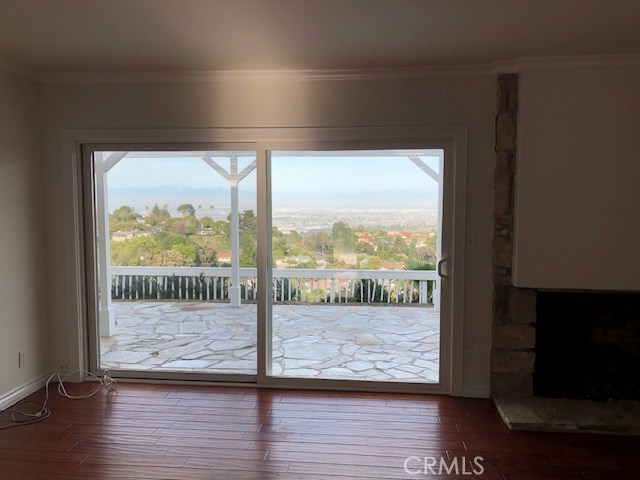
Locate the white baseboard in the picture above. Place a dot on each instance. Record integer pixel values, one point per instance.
(19, 393)
(476, 391)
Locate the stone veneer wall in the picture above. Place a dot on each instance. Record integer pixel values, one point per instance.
(514, 309)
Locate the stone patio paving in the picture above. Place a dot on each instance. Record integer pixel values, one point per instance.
(383, 343)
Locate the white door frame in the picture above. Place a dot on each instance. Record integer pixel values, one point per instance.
(453, 139)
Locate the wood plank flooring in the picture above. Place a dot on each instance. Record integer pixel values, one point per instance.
(191, 432)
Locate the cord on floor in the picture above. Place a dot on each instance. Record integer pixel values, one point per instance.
(19, 416)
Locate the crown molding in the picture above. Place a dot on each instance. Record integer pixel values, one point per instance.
(489, 69)
(19, 68)
(584, 61)
(266, 75)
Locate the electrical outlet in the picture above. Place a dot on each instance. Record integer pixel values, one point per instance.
(20, 359)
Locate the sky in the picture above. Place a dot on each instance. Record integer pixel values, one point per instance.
(297, 181)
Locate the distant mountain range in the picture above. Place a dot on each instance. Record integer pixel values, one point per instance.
(170, 191)
(219, 196)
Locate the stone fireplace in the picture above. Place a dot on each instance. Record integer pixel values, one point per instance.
(553, 353)
(514, 309)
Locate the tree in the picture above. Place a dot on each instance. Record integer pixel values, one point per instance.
(399, 246)
(157, 212)
(221, 228)
(125, 219)
(248, 225)
(177, 228)
(418, 264)
(332, 261)
(294, 237)
(427, 253)
(321, 242)
(206, 254)
(186, 251)
(170, 258)
(365, 248)
(247, 222)
(183, 226)
(206, 222)
(373, 263)
(324, 243)
(166, 240)
(123, 214)
(344, 238)
(135, 251)
(279, 243)
(187, 209)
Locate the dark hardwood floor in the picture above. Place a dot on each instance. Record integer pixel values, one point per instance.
(193, 432)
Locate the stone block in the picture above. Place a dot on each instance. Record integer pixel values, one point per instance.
(503, 225)
(501, 297)
(522, 306)
(502, 276)
(506, 361)
(502, 98)
(503, 184)
(511, 384)
(502, 252)
(513, 337)
(502, 199)
(507, 93)
(505, 133)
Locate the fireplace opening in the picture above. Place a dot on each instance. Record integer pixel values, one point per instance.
(587, 346)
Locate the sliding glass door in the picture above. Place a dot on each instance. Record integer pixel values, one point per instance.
(259, 263)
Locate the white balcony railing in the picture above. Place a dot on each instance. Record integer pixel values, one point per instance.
(289, 285)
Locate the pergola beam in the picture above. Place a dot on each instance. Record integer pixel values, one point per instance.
(233, 177)
(437, 176)
(112, 160)
(425, 168)
(102, 165)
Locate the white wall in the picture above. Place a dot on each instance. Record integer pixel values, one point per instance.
(578, 185)
(22, 281)
(279, 103)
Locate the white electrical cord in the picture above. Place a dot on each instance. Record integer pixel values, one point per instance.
(105, 382)
(20, 417)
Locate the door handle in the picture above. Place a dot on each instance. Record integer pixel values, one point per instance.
(439, 268)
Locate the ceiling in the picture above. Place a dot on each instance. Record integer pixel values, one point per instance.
(210, 35)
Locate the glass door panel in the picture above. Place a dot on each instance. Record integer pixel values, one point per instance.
(355, 240)
(175, 250)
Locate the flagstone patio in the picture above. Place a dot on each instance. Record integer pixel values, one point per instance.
(382, 343)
